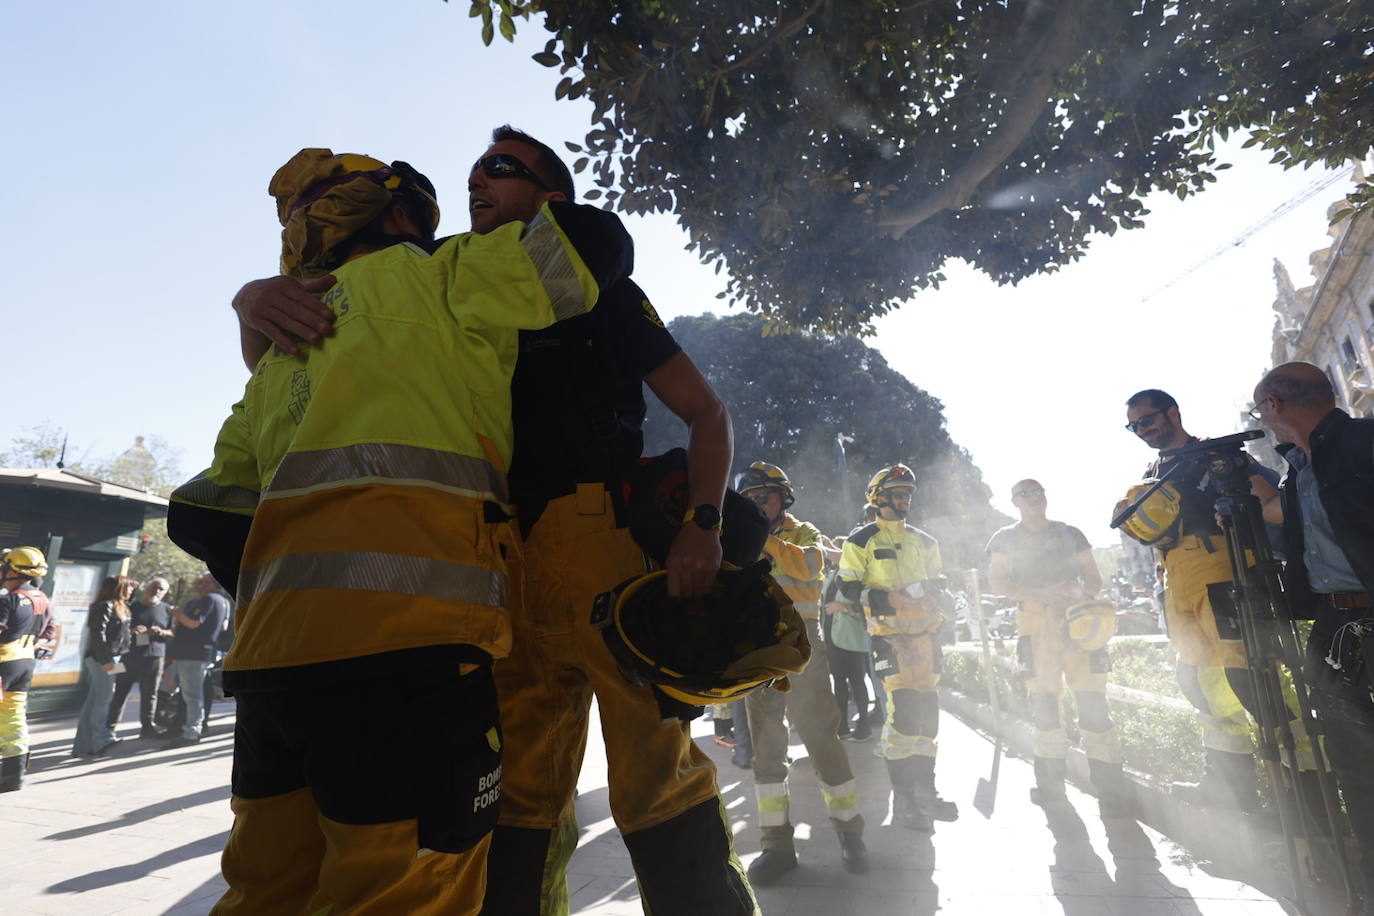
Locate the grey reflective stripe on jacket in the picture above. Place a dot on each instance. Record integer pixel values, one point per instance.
(545, 248)
(375, 572)
(395, 465)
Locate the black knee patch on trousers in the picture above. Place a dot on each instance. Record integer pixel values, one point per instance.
(515, 871)
(1093, 713)
(1045, 711)
(916, 712)
(683, 865)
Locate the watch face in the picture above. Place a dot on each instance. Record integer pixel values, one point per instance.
(706, 515)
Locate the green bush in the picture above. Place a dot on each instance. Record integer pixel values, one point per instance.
(1162, 742)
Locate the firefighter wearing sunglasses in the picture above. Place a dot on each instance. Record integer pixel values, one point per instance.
(1179, 521)
(578, 404)
(893, 571)
(357, 499)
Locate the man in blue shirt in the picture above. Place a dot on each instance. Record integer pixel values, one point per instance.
(1326, 506)
(193, 647)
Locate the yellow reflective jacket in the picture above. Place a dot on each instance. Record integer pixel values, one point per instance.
(369, 471)
(888, 556)
(798, 563)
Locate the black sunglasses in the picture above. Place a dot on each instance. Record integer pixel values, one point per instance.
(504, 165)
(1145, 421)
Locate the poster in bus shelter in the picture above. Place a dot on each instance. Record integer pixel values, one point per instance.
(73, 587)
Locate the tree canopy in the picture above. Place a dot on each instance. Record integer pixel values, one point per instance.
(791, 395)
(833, 155)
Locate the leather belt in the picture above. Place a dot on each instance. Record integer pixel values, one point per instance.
(1346, 601)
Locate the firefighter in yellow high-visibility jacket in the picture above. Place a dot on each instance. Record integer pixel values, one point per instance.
(893, 570)
(358, 498)
(798, 555)
(20, 627)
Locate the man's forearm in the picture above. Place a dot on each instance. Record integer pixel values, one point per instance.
(253, 345)
(710, 449)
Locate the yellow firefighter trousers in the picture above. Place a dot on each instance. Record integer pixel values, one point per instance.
(1050, 662)
(368, 870)
(558, 661)
(1203, 654)
(913, 703)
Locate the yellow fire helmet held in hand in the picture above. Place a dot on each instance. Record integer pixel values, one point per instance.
(1089, 624)
(743, 635)
(1155, 523)
(28, 562)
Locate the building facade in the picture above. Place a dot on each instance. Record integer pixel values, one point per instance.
(1331, 322)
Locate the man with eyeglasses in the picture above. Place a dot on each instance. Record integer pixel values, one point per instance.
(578, 406)
(1199, 613)
(1326, 506)
(797, 551)
(1047, 566)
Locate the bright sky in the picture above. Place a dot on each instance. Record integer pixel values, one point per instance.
(142, 137)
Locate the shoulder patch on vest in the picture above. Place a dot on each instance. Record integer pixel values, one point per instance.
(865, 534)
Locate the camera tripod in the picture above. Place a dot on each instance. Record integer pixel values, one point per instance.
(1271, 640)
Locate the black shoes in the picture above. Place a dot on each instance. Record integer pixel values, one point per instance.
(854, 853)
(771, 865)
(907, 813)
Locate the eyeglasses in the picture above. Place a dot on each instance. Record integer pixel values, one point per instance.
(1033, 491)
(760, 496)
(1254, 411)
(504, 165)
(1146, 421)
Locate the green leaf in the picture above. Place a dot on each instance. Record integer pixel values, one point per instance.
(488, 33)
(546, 59)
(562, 88)
(593, 194)
(507, 27)
(579, 165)
(572, 147)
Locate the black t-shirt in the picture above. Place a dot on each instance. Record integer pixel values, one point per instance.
(1039, 559)
(200, 644)
(578, 396)
(158, 615)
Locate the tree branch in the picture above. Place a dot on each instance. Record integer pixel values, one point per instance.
(778, 34)
(1058, 48)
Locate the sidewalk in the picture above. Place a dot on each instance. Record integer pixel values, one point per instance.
(140, 833)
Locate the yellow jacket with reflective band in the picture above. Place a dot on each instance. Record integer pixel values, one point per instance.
(365, 461)
(891, 555)
(798, 563)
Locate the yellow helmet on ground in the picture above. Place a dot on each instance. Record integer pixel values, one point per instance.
(764, 476)
(745, 634)
(1089, 624)
(1154, 523)
(28, 562)
(895, 477)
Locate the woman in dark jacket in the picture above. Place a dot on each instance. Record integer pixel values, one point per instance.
(110, 637)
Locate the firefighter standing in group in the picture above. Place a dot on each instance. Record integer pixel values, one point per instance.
(798, 554)
(357, 499)
(1048, 567)
(1180, 521)
(21, 623)
(893, 570)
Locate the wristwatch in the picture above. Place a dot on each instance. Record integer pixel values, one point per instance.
(705, 516)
